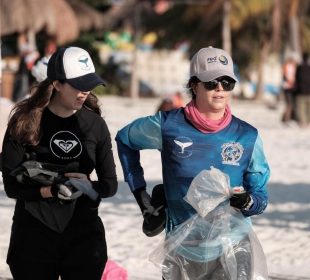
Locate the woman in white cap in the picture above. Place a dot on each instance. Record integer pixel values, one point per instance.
(55, 139)
(192, 139)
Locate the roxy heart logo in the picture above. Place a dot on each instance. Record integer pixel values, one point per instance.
(65, 145)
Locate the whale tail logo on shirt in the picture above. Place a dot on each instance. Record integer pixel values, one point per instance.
(183, 145)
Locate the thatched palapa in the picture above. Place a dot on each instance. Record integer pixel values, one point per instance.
(56, 17)
(88, 18)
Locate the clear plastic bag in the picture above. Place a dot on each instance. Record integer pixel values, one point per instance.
(216, 243)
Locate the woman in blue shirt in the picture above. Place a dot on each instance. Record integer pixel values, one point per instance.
(194, 138)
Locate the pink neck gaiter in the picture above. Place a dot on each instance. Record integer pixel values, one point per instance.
(204, 124)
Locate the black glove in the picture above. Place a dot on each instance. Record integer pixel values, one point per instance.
(144, 201)
(39, 173)
(153, 209)
(241, 200)
(65, 192)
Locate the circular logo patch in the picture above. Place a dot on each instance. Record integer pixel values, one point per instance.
(223, 60)
(65, 145)
(231, 153)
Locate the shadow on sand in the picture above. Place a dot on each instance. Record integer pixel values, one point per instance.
(279, 196)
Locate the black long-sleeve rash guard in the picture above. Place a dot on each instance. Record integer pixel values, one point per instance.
(83, 138)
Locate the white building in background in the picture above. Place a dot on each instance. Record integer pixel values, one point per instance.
(164, 71)
(272, 77)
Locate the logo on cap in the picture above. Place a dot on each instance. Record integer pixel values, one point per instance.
(223, 60)
(211, 59)
(83, 59)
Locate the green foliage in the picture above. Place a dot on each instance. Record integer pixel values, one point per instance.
(245, 10)
(185, 23)
(109, 89)
(247, 39)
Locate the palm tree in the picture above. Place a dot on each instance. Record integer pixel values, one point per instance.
(226, 30)
(294, 38)
(272, 30)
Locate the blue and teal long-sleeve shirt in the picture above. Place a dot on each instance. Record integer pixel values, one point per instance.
(237, 150)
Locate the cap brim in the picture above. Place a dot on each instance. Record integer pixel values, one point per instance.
(211, 75)
(87, 82)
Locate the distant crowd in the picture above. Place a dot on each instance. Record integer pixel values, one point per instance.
(296, 89)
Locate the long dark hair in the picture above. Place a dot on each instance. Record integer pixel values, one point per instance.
(25, 118)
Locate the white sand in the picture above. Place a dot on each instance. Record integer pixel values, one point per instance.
(283, 229)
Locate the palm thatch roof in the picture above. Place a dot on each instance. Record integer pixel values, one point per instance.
(56, 17)
(65, 27)
(18, 16)
(88, 18)
(61, 19)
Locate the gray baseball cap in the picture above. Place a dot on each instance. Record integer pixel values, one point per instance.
(211, 63)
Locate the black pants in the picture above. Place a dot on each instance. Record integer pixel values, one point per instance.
(25, 270)
(38, 253)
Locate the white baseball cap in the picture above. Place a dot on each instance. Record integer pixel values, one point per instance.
(75, 66)
(211, 63)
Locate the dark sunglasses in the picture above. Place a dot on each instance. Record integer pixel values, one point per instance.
(227, 84)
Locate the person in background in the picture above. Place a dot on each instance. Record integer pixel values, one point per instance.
(28, 54)
(174, 101)
(56, 230)
(288, 73)
(178, 100)
(302, 92)
(166, 104)
(203, 134)
(39, 70)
